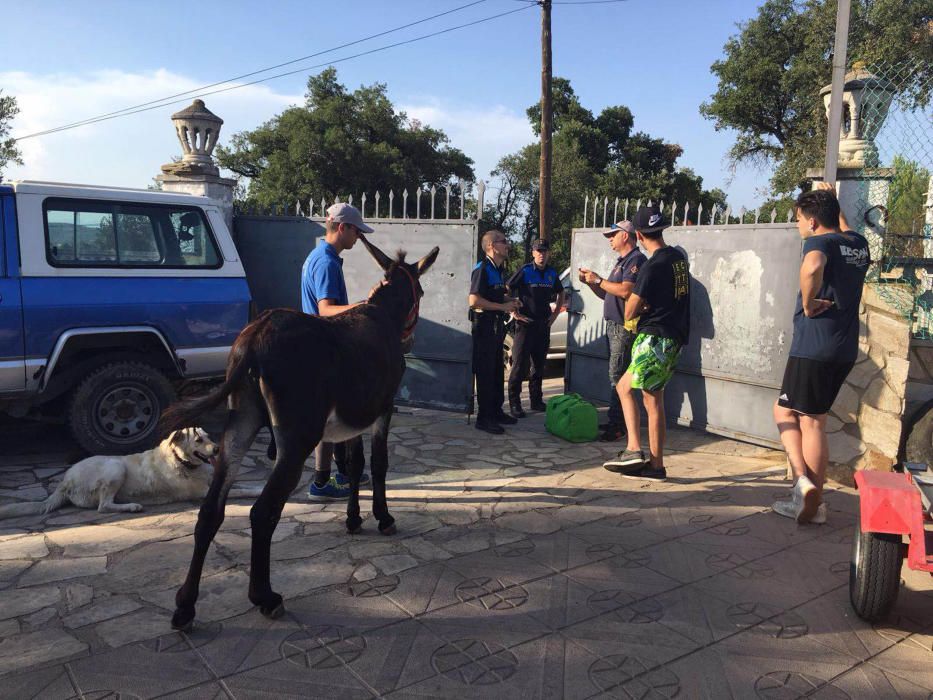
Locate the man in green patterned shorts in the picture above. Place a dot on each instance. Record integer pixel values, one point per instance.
(662, 298)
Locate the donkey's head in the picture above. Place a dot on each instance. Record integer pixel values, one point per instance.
(402, 289)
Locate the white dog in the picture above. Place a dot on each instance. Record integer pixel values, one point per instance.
(177, 469)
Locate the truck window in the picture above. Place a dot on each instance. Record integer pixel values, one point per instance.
(86, 233)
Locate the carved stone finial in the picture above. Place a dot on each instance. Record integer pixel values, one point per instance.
(197, 129)
(866, 99)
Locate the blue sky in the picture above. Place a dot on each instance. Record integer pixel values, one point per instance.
(71, 60)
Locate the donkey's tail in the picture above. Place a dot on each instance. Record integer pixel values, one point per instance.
(55, 501)
(184, 414)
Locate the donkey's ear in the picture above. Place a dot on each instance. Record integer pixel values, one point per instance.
(381, 258)
(427, 261)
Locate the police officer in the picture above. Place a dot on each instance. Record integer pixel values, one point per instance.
(536, 285)
(489, 306)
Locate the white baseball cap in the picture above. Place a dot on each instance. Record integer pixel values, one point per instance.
(343, 213)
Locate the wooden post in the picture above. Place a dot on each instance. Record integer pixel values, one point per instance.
(544, 212)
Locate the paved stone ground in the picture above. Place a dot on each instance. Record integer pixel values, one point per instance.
(521, 568)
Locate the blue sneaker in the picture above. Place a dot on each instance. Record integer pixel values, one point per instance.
(330, 491)
(342, 480)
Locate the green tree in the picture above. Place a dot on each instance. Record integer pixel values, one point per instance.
(907, 197)
(9, 153)
(773, 69)
(340, 143)
(592, 155)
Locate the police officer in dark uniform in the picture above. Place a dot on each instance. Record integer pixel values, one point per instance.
(536, 285)
(489, 307)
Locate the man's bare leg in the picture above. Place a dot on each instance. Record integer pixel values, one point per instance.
(630, 412)
(788, 425)
(815, 448)
(657, 427)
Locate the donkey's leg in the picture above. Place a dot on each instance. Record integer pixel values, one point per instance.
(293, 447)
(242, 426)
(379, 464)
(353, 458)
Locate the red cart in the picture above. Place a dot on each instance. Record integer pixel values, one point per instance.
(892, 505)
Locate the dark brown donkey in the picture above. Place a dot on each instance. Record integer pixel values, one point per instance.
(309, 378)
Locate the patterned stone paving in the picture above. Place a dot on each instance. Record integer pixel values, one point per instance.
(521, 568)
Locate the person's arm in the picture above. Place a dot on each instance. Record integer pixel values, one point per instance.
(329, 307)
(478, 303)
(843, 223)
(634, 306)
(601, 286)
(558, 304)
(811, 279)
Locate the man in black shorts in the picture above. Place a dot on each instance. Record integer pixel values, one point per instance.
(824, 347)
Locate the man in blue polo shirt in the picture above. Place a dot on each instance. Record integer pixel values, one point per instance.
(324, 293)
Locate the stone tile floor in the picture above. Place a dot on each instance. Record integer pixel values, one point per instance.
(521, 568)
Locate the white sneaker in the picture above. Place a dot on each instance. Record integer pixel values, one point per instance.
(807, 497)
(790, 509)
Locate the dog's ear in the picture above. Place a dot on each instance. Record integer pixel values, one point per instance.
(176, 436)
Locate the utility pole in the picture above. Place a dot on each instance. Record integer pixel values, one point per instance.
(544, 195)
(835, 101)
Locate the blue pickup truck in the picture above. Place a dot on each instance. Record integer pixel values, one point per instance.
(109, 299)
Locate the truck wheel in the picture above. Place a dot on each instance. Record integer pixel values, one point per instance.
(874, 573)
(116, 408)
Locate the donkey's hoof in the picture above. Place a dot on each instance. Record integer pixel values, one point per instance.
(390, 530)
(275, 609)
(354, 525)
(183, 619)
(354, 530)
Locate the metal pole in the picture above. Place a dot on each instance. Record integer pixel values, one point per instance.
(835, 100)
(544, 210)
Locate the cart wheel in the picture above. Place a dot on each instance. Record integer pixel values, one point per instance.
(874, 573)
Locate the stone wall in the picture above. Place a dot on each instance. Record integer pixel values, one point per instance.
(864, 425)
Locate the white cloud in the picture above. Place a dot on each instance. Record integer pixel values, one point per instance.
(126, 151)
(486, 134)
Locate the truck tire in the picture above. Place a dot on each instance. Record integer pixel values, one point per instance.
(874, 573)
(116, 408)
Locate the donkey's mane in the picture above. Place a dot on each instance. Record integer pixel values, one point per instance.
(399, 260)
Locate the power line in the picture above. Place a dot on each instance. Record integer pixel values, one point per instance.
(166, 101)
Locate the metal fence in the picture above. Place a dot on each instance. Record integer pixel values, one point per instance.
(596, 209)
(889, 112)
(455, 201)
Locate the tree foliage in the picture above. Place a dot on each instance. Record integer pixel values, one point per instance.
(774, 68)
(598, 155)
(340, 143)
(9, 153)
(907, 197)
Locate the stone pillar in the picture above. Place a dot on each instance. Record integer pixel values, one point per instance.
(198, 129)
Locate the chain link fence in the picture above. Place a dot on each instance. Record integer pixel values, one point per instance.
(888, 138)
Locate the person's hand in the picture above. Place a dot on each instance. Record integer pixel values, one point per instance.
(375, 289)
(581, 274)
(828, 186)
(590, 277)
(521, 318)
(818, 306)
(510, 305)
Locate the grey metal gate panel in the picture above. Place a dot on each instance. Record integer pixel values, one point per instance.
(744, 281)
(439, 369)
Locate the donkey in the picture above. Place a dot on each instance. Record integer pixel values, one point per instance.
(309, 379)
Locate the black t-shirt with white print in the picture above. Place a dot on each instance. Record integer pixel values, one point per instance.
(664, 284)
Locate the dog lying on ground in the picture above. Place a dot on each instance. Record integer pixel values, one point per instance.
(177, 469)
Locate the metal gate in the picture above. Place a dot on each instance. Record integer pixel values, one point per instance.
(439, 368)
(744, 282)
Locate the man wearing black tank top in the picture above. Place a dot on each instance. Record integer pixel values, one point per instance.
(824, 348)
